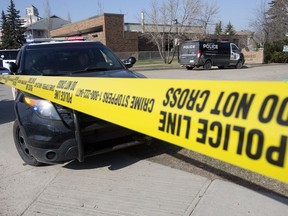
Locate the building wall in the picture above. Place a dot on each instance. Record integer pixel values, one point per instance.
(108, 29)
(116, 38)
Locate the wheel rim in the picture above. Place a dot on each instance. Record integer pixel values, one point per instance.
(240, 64)
(22, 145)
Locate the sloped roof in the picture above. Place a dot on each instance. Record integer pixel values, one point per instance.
(56, 22)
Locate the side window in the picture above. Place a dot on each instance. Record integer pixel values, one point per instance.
(235, 49)
(13, 54)
(107, 58)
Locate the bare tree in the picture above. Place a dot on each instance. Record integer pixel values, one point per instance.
(69, 17)
(100, 8)
(208, 12)
(168, 21)
(259, 24)
(277, 19)
(48, 20)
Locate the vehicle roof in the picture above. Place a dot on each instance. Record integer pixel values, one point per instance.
(202, 41)
(62, 44)
(9, 50)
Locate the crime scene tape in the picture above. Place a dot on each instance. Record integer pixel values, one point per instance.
(241, 123)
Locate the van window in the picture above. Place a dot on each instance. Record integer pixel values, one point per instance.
(235, 49)
(189, 48)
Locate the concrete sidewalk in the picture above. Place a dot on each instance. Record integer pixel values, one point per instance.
(116, 184)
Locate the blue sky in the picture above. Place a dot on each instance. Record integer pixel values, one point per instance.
(239, 12)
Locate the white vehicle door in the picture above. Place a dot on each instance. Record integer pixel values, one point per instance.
(234, 54)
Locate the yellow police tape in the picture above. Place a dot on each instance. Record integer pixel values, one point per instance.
(242, 123)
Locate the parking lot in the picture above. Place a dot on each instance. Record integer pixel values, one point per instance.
(157, 179)
(271, 72)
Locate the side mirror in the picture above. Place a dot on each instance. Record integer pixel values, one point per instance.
(13, 67)
(130, 62)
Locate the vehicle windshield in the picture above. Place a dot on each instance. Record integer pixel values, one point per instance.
(59, 60)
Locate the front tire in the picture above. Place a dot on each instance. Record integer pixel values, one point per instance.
(239, 64)
(22, 147)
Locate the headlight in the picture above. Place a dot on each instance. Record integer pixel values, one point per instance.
(43, 108)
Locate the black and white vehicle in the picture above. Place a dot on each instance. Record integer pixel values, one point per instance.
(45, 132)
(207, 54)
(7, 56)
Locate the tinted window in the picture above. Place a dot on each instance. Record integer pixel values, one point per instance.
(8, 54)
(189, 48)
(235, 49)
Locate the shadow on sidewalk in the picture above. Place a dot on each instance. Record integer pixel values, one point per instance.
(171, 155)
(7, 113)
(112, 160)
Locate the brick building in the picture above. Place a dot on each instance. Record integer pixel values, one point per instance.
(121, 37)
(111, 30)
(107, 28)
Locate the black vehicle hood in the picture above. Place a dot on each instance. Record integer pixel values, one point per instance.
(110, 73)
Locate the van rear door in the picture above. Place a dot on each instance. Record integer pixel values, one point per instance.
(188, 53)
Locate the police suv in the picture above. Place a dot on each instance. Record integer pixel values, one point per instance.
(207, 54)
(48, 133)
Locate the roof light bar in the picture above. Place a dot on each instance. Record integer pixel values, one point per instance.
(41, 40)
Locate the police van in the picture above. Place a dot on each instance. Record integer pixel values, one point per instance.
(207, 54)
(7, 56)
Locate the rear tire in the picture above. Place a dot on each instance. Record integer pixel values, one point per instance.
(22, 147)
(207, 65)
